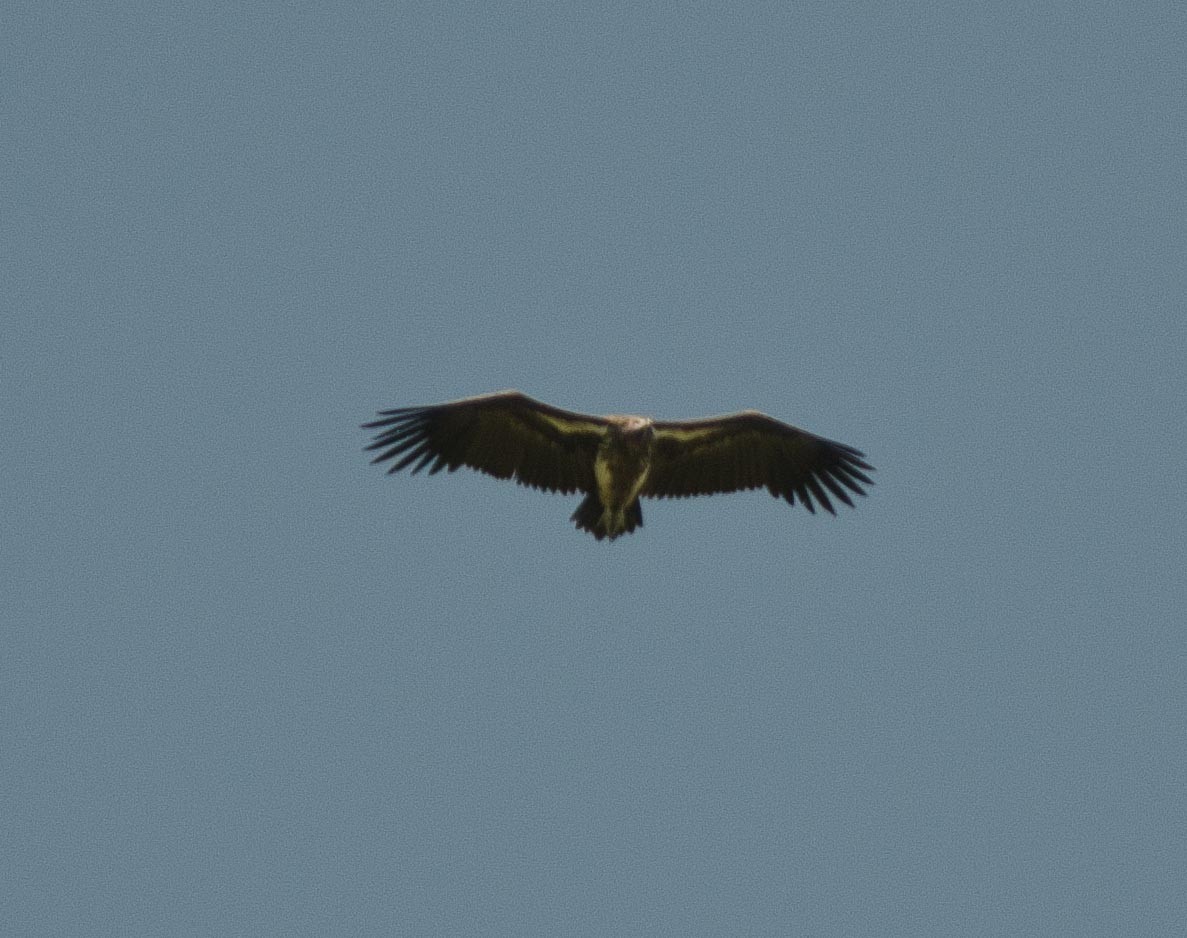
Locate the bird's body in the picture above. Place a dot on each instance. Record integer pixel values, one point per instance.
(617, 460)
(621, 466)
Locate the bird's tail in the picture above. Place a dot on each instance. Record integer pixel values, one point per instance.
(592, 516)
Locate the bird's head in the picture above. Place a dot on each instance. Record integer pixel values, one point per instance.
(632, 428)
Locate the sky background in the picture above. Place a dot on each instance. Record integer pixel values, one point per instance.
(253, 686)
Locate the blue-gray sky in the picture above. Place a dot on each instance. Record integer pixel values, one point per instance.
(251, 685)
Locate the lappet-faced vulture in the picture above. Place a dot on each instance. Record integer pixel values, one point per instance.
(616, 460)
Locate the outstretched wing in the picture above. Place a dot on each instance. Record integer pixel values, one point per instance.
(750, 450)
(506, 434)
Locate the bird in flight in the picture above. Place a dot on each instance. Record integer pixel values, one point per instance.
(616, 460)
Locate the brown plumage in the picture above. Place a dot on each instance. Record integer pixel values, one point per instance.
(617, 460)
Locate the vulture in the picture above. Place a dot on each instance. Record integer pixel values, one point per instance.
(616, 460)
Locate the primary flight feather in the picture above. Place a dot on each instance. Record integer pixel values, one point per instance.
(616, 460)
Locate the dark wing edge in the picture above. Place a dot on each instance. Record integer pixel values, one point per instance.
(750, 450)
(506, 434)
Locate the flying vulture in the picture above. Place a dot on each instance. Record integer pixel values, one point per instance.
(617, 460)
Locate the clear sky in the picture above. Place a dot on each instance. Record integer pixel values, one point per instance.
(253, 686)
